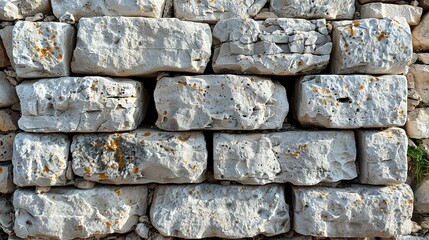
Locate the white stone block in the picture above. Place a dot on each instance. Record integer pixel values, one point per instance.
(412, 14)
(11, 10)
(418, 123)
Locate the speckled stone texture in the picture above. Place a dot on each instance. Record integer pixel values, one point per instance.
(6, 146)
(8, 120)
(11, 10)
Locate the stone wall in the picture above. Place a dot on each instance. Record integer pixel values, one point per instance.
(256, 119)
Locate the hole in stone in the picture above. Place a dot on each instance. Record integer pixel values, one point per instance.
(344, 100)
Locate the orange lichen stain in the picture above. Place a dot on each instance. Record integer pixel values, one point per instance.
(324, 195)
(194, 86)
(299, 63)
(45, 169)
(43, 52)
(1, 170)
(182, 83)
(151, 9)
(118, 191)
(361, 87)
(93, 87)
(315, 90)
(146, 134)
(54, 36)
(108, 224)
(351, 30)
(194, 167)
(136, 170)
(183, 139)
(296, 154)
(60, 56)
(381, 36)
(87, 170)
(142, 141)
(356, 23)
(102, 176)
(301, 147)
(324, 102)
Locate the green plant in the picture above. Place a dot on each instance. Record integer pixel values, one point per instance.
(423, 104)
(422, 164)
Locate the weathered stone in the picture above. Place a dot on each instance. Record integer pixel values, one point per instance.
(4, 59)
(328, 9)
(368, 1)
(42, 49)
(351, 101)
(413, 100)
(421, 204)
(6, 214)
(105, 46)
(358, 211)
(6, 36)
(298, 157)
(382, 156)
(6, 180)
(424, 4)
(418, 123)
(68, 213)
(8, 95)
(212, 11)
(94, 8)
(423, 57)
(8, 120)
(419, 75)
(410, 237)
(81, 104)
(19, 9)
(373, 46)
(220, 102)
(421, 34)
(411, 13)
(279, 46)
(40, 159)
(210, 210)
(142, 156)
(6, 146)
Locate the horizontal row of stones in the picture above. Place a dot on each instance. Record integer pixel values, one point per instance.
(154, 156)
(210, 210)
(279, 46)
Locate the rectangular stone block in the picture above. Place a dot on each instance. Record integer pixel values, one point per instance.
(331, 9)
(81, 104)
(357, 211)
(372, 46)
(210, 210)
(280, 46)
(298, 157)
(94, 8)
(6, 146)
(6, 180)
(11, 10)
(41, 159)
(411, 13)
(8, 120)
(351, 101)
(417, 123)
(212, 11)
(141, 156)
(42, 49)
(68, 213)
(133, 46)
(220, 102)
(382, 156)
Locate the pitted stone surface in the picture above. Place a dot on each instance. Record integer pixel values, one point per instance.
(6, 36)
(8, 95)
(279, 46)
(212, 11)
(357, 211)
(210, 210)
(411, 13)
(298, 157)
(94, 8)
(8, 120)
(417, 124)
(351, 101)
(220, 102)
(6, 146)
(81, 104)
(382, 156)
(133, 46)
(68, 213)
(6, 214)
(139, 157)
(42, 49)
(40, 159)
(419, 75)
(310, 9)
(6, 179)
(421, 35)
(19, 9)
(373, 46)
(421, 204)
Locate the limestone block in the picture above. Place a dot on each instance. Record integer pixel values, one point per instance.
(423, 57)
(4, 59)
(8, 120)
(275, 46)
(351, 101)
(139, 157)
(421, 34)
(42, 49)
(134, 46)
(210, 210)
(6, 36)
(81, 104)
(373, 46)
(419, 74)
(212, 11)
(40, 159)
(8, 95)
(11, 10)
(216, 102)
(6, 214)
(328, 9)
(94, 8)
(421, 204)
(358, 211)
(368, 1)
(68, 213)
(6, 180)
(6, 146)
(412, 14)
(418, 123)
(298, 157)
(382, 156)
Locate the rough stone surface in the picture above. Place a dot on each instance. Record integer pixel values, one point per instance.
(423, 57)
(81, 104)
(42, 49)
(8, 120)
(19, 9)
(6, 36)
(382, 156)
(359, 211)
(94, 8)
(351, 101)
(298, 157)
(8, 95)
(209, 210)
(68, 213)
(421, 34)
(220, 102)
(328, 9)
(6, 180)
(417, 124)
(373, 46)
(6, 146)
(139, 157)
(419, 75)
(40, 159)
(368, 1)
(4, 59)
(279, 46)
(212, 11)
(120, 46)
(421, 204)
(411, 13)
(424, 4)
(6, 214)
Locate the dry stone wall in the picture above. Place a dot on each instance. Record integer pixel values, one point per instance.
(232, 119)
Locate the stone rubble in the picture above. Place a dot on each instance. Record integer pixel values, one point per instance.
(421, 34)
(11, 10)
(417, 126)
